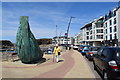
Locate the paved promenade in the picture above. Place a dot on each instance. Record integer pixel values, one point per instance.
(71, 65)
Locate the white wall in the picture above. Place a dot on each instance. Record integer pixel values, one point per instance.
(118, 21)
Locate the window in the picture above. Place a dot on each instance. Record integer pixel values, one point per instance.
(110, 29)
(105, 24)
(87, 33)
(110, 22)
(100, 31)
(105, 53)
(115, 36)
(101, 25)
(110, 36)
(114, 20)
(115, 29)
(106, 37)
(87, 37)
(68, 40)
(90, 37)
(89, 28)
(106, 31)
(100, 52)
(90, 32)
(99, 36)
(106, 17)
(114, 13)
(110, 14)
(94, 49)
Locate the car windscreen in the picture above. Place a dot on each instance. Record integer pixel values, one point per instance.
(77, 45)
(81, 47)
(94, 49)
(49, 50)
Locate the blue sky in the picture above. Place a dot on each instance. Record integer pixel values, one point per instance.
(44, 16)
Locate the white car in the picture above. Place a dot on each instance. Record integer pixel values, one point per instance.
(49, 51)
(75, 47)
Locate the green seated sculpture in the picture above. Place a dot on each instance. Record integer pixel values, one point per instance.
(26, 45)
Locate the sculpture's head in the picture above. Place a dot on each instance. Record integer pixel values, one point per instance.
(24, 21)
(23, 18)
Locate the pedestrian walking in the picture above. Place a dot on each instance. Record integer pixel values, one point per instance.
(57, 51)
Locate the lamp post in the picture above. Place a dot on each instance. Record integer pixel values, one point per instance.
(56, 35)
(56, 30)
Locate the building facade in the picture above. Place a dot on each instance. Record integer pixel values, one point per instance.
(112, 28)
(62, 40)
(104, 31)
(92, 33)
(77, 39)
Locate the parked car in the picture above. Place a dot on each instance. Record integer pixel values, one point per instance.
(84, 50)
(49, 51)
(107, 62)
(90, 53)
(81, 47)
(75, 47)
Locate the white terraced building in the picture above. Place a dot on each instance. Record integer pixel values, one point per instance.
(77, 39)
(92, 33)
(112, 27)
(62, 40)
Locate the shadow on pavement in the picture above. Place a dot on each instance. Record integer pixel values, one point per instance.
(42, 61)
(60, 60)
(16, 60)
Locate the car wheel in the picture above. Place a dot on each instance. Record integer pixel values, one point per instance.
(89, 59)
(105, 76)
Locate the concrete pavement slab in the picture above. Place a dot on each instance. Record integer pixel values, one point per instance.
(20, 70)
(73, 65)
(80, 69)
